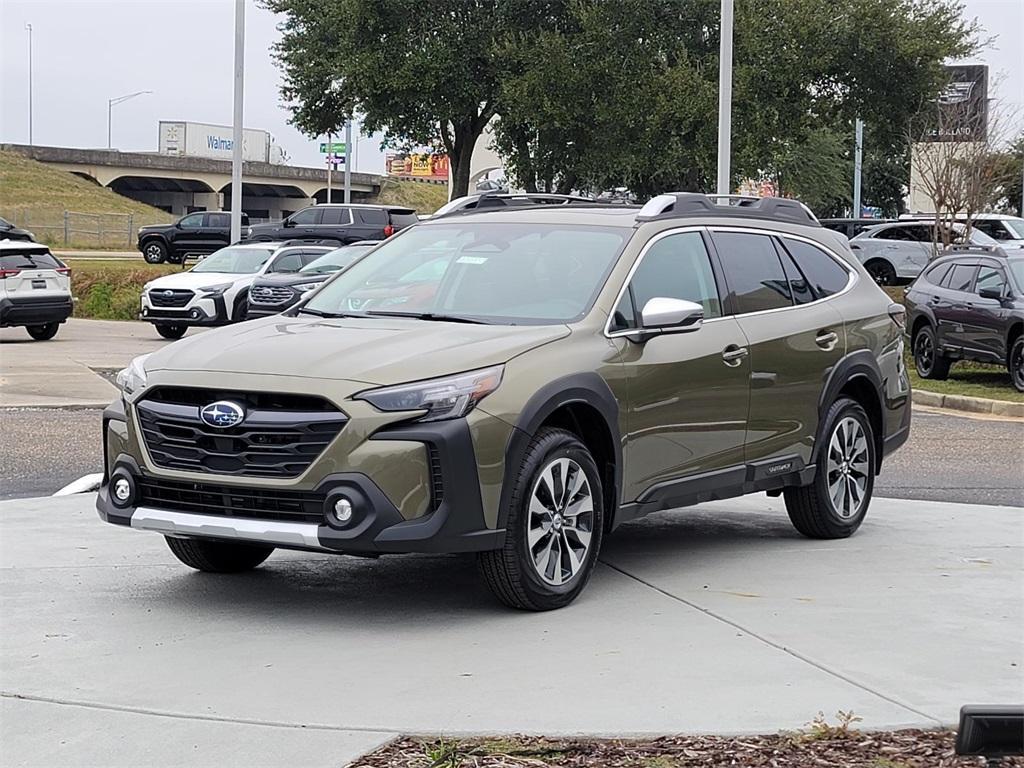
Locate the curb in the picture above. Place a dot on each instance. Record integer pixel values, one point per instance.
(969, 404)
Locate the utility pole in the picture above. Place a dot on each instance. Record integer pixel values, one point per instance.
(29, 28)
(725, 97)
(330, 162)
(236, 147)
(111, 103)
(348, 162)
(858, 158)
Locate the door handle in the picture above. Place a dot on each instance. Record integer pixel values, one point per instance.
(826, 340)
(733, 355)
(891, 247)
(934, 300)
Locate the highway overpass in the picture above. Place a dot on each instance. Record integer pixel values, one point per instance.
(183, 184)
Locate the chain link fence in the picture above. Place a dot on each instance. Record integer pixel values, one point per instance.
(61, 228)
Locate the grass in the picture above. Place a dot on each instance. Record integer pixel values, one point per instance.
(424, 198)
(35, 196)
(110, 290)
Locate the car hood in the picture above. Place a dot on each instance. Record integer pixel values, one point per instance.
(195, 280)
(374, 351)
(291, 278)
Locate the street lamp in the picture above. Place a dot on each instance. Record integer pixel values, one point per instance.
(119, 100)
(29, 28)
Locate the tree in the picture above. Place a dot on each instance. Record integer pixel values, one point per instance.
(425, 72)
(625, 93)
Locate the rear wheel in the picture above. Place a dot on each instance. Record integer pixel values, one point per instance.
(171, 331)
(154, 252)
(553, 527)
(218, 556)
(881, 271)
(834, 505)
(1015, 362)
(43, 332)
(928, 361)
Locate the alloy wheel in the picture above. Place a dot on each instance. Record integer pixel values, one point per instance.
(1017, 366)
(560, 521)
(924, 354)
(848, 467)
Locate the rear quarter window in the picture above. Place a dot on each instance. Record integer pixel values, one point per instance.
(404, 219)
(935, 274)
(372, 216)
(824, 275)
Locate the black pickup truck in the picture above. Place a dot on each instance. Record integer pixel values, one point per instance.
(196, 234)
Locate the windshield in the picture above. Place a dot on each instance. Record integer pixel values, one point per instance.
(332, 261)
(235, 261)
(1016, 227)
(1017, 268)
(491, 272)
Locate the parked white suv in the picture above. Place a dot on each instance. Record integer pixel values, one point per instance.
(215, 291)
(35, 289)
(897, 252)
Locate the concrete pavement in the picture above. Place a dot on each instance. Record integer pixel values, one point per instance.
(717, 618)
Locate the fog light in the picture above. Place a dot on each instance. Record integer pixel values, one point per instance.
(121, 490)
(343, 510)
(145, 310)
(194, 313)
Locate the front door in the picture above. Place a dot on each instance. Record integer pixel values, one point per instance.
(985, 323)
(793, 336)
(687, 393)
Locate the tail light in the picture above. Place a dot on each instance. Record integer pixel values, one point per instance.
(5, 273)
(389, 230)
(64, 271)
(898, 313)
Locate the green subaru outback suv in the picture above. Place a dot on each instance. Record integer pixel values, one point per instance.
(518, 383)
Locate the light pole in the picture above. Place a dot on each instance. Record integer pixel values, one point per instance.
(725, 97)
(111, 103)
(29, 28)
(236, 153)
(858, 163)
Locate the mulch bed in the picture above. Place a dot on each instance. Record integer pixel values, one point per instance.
(821, 747)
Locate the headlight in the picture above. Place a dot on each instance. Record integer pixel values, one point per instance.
(133, 378)
(303, 287)
(147, 286)
(215, 290)
(446, 398)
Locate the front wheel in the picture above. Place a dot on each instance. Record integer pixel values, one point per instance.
(154, 252)
(554, 525)
(1015, 362)
(218, 556)
(834, 505)
(881, 271)
(43, 332)
(171, 331)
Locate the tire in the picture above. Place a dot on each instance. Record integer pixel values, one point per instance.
(846, 440)
(171, 331)
(176, 258)
(513, 573)
(154, 252)
(928, 361)
(881, 271)
(218, 556)
(42, 332)
(240, 312)
(1015, 363)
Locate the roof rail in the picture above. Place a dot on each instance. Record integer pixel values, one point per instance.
(681, 204)
(962, 248)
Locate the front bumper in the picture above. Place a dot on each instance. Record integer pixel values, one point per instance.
(201, 311)
(30, 310)
(456, 523)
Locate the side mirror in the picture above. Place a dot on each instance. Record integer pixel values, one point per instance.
(287, 223)
(664, 315)
(991, 293)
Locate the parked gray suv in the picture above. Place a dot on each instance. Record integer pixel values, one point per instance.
(518, 383)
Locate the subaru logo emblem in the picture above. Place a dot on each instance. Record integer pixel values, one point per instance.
(168, 293)
(222, 414)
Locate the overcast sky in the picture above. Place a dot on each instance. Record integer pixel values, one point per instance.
(88, 51)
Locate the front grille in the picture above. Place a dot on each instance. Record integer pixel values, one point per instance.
(228, 501)
(281, 435)
(270, 295)
(159, 297)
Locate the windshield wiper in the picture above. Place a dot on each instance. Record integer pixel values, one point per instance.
(435, 316)
(319, 313)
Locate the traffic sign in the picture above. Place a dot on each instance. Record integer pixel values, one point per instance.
(335, 147)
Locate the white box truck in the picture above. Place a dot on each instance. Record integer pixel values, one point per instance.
(215, 142)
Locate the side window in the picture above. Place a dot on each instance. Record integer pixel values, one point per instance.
(893, 233)
(219, 220)
(825, 276)
(799, 288)
(936, 274)
(675, 267)
(960, 277)
(192, 221)
(374, 216)
(991, 278)
(309, 256)
(336, 216)
(306, 216)
(753, 271)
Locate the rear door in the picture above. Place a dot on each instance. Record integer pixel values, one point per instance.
(337, 225)
(793, 338)
(218, 230)
(951, 311)
(371, 223)
(33, 273)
